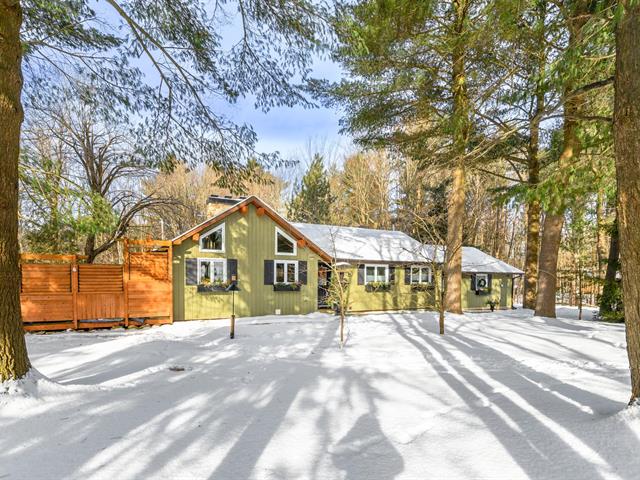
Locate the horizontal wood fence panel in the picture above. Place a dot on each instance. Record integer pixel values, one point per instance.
(100, 278)
(76, 295)
(46, 308)
(100, 305)
(44, 278)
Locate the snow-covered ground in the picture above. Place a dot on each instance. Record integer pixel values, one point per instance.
(502, 395)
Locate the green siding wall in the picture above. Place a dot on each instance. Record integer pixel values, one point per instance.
(500, 292)
(250, 239)
(400, 297)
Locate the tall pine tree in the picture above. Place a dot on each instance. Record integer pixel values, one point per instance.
(311, 201)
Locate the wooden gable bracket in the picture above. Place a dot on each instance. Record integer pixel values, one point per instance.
(195, 237)
(244, 209)
(260, 211)
(302, 243)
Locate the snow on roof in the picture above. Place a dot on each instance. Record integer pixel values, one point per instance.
(367, 244)
(364, 244)
(476, 261)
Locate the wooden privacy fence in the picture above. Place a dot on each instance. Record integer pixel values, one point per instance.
(59, 292)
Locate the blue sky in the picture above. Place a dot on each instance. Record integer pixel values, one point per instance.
(289, 130)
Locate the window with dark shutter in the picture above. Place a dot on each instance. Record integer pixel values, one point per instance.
(268, 272)
(302, 272)
(191, 271)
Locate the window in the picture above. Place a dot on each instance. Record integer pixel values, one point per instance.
(212, 270)
(482, 281)
(286, 272)
(376, 273)
(213, 241)
(421, 275)
(285, 245)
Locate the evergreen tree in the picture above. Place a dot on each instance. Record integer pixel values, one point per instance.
(408, 82)
(312, 199)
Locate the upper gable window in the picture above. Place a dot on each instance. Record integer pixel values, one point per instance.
(285, 245)
(213, 240)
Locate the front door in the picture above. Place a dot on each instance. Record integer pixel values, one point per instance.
(324, 279)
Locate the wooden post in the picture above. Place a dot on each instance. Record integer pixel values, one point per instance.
(170, 267)
(74, 290)
(126, 269)
(232, 333)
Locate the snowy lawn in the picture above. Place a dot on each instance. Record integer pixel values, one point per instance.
(502, 395)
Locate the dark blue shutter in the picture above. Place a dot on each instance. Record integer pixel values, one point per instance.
(302, 272)
(489, 279)
(361, 274)
(268, 272)
(232, 269)
(191, 267)
(407, 275)
(473, 282)
(392, 274)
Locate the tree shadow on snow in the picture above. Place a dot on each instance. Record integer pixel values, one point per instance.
(225, 409)
(365, 453)
(556, 434)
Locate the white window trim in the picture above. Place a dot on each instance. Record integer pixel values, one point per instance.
(224, 267)
(377, 280)
(420, 268)
(288, 237)
(213, 230)
(285, 262)
(485, 276)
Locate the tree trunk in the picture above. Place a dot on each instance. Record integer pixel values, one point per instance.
(460, 123)
(14, 362)
(530, 286)
(90, 247)
(547, 272)
(613, 263)
(531, 256)
(554, 218)
(453, 299)
(627, 149)
(533, 210)
(600, 231)
(579, 267)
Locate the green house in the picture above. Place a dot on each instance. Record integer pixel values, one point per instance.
(285, 268)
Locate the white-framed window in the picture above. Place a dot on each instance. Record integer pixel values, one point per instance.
(482, 281)
(376, 273)
(212, 270)
(213, 240)
(285, 244)
(421, 275)
(285, 271)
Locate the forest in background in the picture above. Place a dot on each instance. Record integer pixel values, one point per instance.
(370, 189)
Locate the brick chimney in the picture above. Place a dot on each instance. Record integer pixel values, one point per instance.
(218, 203)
